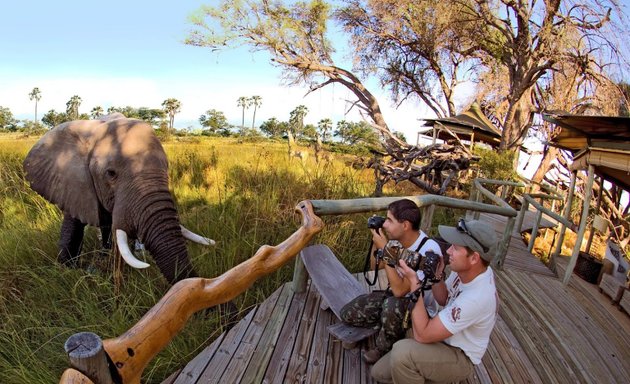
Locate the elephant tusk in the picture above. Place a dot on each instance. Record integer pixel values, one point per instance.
(125, 252)
(196, 238)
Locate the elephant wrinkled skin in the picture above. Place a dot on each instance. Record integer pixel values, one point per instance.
(111, 173)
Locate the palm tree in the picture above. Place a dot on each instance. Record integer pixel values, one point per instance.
(324, 126)
(244, 103)
(255, 101)
(171, 107)
(72, 107)
(36, 95)
(96, 112)
(296, 119)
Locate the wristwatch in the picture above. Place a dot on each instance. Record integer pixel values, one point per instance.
(415, 295)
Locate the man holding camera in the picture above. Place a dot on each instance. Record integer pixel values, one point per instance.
(446, 347)
(386, 310)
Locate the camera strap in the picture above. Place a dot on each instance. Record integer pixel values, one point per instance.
(422, 242)
(366, 267)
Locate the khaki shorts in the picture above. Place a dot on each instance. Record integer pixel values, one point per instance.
(412, 362)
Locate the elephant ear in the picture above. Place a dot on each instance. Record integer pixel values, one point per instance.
(57, 168)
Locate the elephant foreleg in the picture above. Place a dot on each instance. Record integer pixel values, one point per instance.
(70, 241)
(106, 236)
(105, 226)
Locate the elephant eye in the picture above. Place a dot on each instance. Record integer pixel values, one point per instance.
(111, 174)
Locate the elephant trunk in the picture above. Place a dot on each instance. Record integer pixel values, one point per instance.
(152, 218)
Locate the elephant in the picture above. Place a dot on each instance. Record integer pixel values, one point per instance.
(112, 173)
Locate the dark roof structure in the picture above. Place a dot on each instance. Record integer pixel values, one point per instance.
(472, 124)
(600, 141)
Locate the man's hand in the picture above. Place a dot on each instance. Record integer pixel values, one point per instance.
(439, 271)
(410, 275)
(378, 238)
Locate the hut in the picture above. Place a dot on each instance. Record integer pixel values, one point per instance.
(600, 146)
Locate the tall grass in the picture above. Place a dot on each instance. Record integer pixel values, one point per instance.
(241, 195)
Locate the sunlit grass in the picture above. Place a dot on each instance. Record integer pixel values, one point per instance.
(240, 194)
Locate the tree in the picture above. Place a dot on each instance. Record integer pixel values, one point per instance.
(309, 132)
(353, 133)
(72, 107)
(528, 40)
(273, 127)
(295, 37)
(213, 120)
(35, 95)
(324, 126)
(171, 107)
(255, 101)
(150, 115)
(96, 112)
(7, 121)
(411, 46)
(243, 102)
(296, 122)
(52, 118)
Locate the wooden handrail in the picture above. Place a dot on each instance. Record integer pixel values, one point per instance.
(374, 204)
(132, 351)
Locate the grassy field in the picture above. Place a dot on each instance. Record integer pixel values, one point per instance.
(240, 194)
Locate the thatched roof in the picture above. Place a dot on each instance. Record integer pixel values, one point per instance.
(472, 123)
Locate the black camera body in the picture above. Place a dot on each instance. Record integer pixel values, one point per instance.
(375, 222)
(429, 265)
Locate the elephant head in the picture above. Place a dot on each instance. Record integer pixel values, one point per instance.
(113, 172)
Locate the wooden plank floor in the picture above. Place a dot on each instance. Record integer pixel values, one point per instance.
(545, 333)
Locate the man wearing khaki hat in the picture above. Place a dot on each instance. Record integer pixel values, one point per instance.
(445, 348)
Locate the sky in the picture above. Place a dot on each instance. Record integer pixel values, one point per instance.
(120, 53)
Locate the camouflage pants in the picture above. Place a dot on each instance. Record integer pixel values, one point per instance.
(379, 310)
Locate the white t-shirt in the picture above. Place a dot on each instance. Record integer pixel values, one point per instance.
(430, 245)
(470, 313)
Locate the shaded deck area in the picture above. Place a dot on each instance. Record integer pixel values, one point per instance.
(545, 333)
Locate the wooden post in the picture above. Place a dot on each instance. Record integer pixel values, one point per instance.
(598, 206)
(427, 217)
(521, 215)
(504, 244)
(532, 238)
(86, 353)
(300, 275)
(580, 235)
(477, 214)
(566, 214)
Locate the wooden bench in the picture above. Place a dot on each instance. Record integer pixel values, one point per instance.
(336, 287)
(624, 301)
(612, 287)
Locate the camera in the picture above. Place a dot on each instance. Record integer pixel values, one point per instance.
(375, 222)
(394, 251)
(429, 265)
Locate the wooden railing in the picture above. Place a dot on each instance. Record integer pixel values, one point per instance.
(530, 199)
(478, 192)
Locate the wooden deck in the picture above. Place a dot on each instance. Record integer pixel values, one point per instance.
(545, 333)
